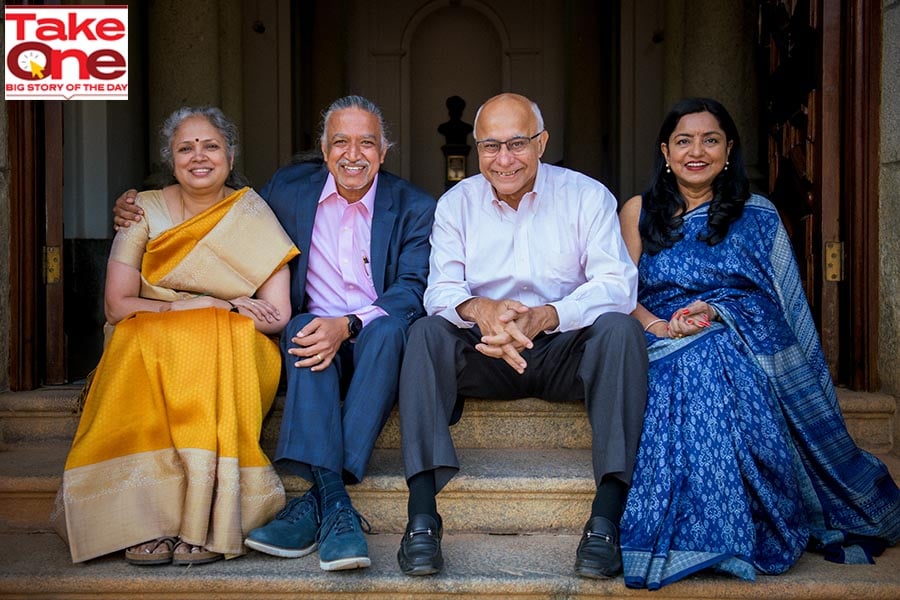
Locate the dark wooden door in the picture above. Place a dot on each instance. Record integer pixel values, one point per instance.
(821, 109)
(37, 338)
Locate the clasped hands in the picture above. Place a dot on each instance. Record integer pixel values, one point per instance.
(691, 319)
(259, 308)
(508, 327)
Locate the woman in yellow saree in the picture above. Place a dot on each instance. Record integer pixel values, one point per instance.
(166, 461)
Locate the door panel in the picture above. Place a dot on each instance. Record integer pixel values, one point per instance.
(861, 60)
(802, 119)
(37, 340)
(822, 107)
(24, 264)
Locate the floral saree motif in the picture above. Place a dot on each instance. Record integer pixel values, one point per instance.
(744, 457)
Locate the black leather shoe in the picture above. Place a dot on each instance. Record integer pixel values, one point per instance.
(599, 555)
(420, 548)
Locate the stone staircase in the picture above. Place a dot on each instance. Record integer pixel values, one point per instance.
(512, 517)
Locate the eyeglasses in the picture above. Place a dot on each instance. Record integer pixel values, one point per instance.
(516, 145)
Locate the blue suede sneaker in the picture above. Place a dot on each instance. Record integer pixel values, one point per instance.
(292, 533)
(342, 544)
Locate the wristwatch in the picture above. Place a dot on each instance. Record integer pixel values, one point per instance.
(354, 325)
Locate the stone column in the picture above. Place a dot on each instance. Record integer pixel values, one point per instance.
(231, 67)
(710, 52)
(889, 207)
(195, 58)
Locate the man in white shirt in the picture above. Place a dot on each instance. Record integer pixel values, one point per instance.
(529, 294)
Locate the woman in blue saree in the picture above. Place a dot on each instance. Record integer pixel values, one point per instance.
(744, 460)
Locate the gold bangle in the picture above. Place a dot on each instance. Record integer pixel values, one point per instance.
(652, 323)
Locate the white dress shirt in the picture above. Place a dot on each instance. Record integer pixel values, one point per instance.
(562, 247)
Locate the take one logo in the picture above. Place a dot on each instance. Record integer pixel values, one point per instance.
(66, 52)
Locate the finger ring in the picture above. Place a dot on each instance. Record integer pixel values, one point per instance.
(319, 356)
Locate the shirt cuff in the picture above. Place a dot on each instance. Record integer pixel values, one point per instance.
(568, 314)
(451, 315)
(369, 313)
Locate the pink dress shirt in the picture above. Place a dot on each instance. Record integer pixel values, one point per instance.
(339, 276)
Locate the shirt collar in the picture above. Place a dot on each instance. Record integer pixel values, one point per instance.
(540, 180)
(330, 191)
(535, 192)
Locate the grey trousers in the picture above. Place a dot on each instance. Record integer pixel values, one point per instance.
(603, 365)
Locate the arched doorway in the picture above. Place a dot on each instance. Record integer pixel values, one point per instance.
(445, 63)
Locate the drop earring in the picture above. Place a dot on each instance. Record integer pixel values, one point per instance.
(668, 170)
(726, 165)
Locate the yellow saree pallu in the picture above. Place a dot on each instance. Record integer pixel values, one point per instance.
(168, 443)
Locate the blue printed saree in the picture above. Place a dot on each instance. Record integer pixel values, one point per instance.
(744, 460)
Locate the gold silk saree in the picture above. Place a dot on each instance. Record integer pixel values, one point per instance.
(168, 441)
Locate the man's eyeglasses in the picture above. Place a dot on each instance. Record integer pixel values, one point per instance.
(516, 145)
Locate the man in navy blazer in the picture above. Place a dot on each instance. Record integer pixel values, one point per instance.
(402, 216)
(356, 287)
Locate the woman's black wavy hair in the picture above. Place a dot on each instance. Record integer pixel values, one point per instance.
(663, 205)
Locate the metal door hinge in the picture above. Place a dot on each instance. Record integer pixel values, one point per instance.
(834, 261)
(52, 264)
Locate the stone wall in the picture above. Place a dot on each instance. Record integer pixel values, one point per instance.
(889, 208)
(710, 52)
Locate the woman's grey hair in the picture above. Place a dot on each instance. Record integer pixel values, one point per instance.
(212, 114)
(534, 109)
(217, 119)
(354, 101)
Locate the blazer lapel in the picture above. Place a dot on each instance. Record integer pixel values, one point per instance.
(382, 227)
(307, 205)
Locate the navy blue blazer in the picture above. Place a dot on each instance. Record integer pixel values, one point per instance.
(401, 226)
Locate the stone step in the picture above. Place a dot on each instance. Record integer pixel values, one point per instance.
(45, 414)
(525, 423)
(52, 414)
(497, 491)
(870, 419)
(478, 566)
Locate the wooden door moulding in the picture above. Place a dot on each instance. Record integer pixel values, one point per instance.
(861, 137)
(822, 105)
(828, 182)
(23, 253)
(801, 119)
(54, 331)
(37, 337)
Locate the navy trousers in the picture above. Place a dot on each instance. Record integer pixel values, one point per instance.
(603, 365)
(333, 417)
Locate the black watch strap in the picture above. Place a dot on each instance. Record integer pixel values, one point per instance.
(354, 325)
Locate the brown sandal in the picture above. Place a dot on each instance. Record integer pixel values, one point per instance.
(154, 552)
(188, 554)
